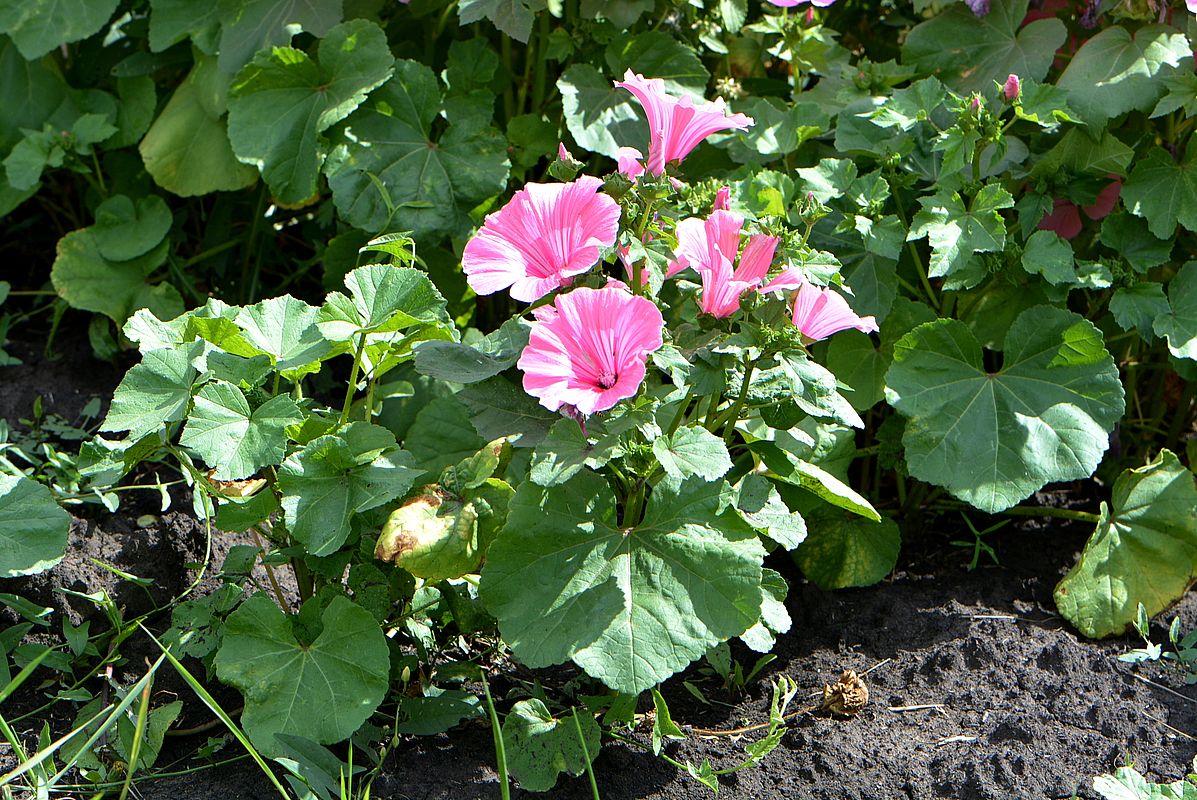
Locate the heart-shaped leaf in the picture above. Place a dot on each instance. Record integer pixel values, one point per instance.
(323, 690)
(33, 528)
(630, 606)
(233, 440)
(993, 438)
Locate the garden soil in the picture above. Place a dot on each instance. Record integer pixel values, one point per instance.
(977, 689)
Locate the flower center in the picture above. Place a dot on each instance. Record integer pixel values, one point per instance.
(606, 379)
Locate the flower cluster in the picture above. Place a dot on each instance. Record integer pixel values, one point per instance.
(589, 349)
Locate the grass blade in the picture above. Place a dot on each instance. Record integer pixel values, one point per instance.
(216, 709)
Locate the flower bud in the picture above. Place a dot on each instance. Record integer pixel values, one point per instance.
(1012, 88)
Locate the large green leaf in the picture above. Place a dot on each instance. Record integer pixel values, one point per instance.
(540, 747)
(1178, 324)
(87, 280)
(322, 690)
(969, 53)
(39, 26)
(1163, 190)
(657, 54)
(127, 228)
(172, 21)
(630, 606)
(956, 231)
(1114, 72)
(512, 17)
(600, 117)
(470, 363)
(381, 298)
(389, 164)
(1144, 550)
(153, 392)
(336, 476)
(993, 438)
(248, 26)
(187, 150)
(284, 329)
(282, 101)
(31, 94)
(1137, 307)
(235, 441)
(33, 528)
(842, 551)
(691, 451)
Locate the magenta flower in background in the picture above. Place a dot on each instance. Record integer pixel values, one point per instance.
(543, 237)
(792, 3)
(818, 313)
(676, 125)
(629, 162)
(588, 350)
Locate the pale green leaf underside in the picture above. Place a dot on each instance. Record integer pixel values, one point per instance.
(1144, 550)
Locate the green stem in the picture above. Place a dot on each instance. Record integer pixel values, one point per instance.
(586, 754)
(921, 268)
(635, 506)
(730, 418)
(1030, 511)
(681, 415)
(95, 160)
(539, 82)
(370, 400)
(350, 390)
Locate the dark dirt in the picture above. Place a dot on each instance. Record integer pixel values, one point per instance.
(1022, 708)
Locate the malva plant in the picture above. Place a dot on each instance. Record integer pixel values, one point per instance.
(848, 291)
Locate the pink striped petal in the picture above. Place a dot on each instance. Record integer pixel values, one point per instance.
(818, 313)
(591, 352)
(543, 237)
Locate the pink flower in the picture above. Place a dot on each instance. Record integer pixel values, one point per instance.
(792, 3)
(818, 313)
(1065, 220)
(543, 237)
(710, 246)
(1191, 5)
(676, 125)
(629, 163)
(562, 153)
(589, 348)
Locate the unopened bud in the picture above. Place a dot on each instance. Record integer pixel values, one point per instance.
(1012, 88)
(722, 199)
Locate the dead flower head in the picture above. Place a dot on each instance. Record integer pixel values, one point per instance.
(847, 696)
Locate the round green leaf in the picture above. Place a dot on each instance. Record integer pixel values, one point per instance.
(692, 451)
(33, 528)
(1144, 550)
(969, 52)
(842, 550)
(1163, 191)
(233, 440)
(323, 690)
(336, 476)
(382, 298)
(85, 279)
(282, 101)
(540, 747)
(187, 150)
(600, 117)
(248, 26)
(390, 166)
(126, 229)
(1179, 323)
(630, 606)
(993, 438)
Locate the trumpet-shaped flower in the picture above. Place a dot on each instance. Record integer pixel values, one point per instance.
(588, 350)
(542, 238)
(710, 246)
(818, 313)
(629, 163)
(676, 125)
